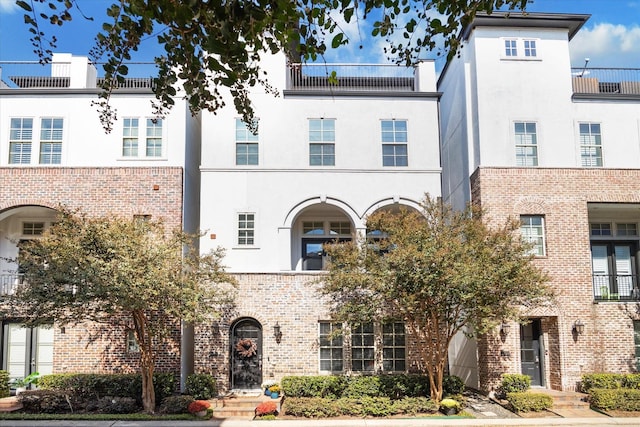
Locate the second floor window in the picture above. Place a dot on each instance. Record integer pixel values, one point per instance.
(246, 228)
(51, 141)
(510, 48)
(20, 138)
(590, 145)
(130, 137)
(154, 137)
(394, 142)
(150, 145)
(246, 144)
(322, 138)
(530, 48)
(532, 231)
(526, 144)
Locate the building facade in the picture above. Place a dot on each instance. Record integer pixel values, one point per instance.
(528, 137)
(54, 152)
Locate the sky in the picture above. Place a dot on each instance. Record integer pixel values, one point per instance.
(610, 38)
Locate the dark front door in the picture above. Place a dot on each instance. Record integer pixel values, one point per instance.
(531, 351)
(246, 355)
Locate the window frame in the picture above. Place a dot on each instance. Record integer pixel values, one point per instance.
(50, 152)
(131, 137)
(25, 145)
(154, 143)
(131, 344)
(396, 140)
(322, 141)
(332, 346)
(244, 138)
(590, 145)
(525, 140)
(243, 232)
(539, 240)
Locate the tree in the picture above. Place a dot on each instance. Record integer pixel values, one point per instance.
(119, 273)
(213, 44)
(440, 271)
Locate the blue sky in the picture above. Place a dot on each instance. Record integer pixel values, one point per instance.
(611, 37)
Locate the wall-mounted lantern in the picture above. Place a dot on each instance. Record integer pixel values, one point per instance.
(578, 327)
(505, 328)
(277, 333)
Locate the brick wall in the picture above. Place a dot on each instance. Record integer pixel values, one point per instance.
(125, 191)
(562, 195)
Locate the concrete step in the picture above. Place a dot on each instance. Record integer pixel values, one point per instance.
(10, 404)
(567, 399)
(240, 406)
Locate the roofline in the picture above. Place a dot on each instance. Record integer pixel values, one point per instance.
(570, 21)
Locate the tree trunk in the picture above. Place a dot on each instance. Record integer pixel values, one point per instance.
(147, 364)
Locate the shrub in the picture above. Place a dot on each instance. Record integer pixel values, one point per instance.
(365, 406)
(274, 388)
(452, 384)
(266, 408)
(602, 380)
(176, 404)
(47, 401)
(117, 405)
(4, 384)
(362, 386)
(330, 386)
(398, 386)
(414, 405)
(631, 381)
(513, 383)
(201, 386)
(527, 401)
(95, 386)
(198, 405)
(623, 399)
(309, 407)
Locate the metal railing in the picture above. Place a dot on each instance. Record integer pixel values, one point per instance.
(351, 77)
(614, 287)
(625, 81)
(9, 283)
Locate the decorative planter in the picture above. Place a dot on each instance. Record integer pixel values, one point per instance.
(201, 414)
(267, 392)
(275, 394)
(448, 411)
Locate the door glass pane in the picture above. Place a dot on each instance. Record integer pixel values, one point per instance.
(16, 351)
(624, 276)
(600, 266)
(44, 351)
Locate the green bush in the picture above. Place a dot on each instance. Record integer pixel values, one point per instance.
(452, 384)
(602, 380)
(201, 386)
(362, 386)
(415, 405)
(528, 401)
(513, 383)
(116, 405)
(397, 386)
(331, 386)
(622, 399)
(96, 386)
(48, 402)
(176, 404)
(310, 407)
(365, 406)
(4, 384)
(631, 381)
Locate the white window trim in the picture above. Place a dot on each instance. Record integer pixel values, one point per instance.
(520, 49)
(514, 145)
(255, 244)
(579, 144)
(544, 235)
(142, 141)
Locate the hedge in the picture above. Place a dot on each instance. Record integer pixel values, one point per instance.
(390, 386)
(621, 399)
(201, 386)
(99, 385)
(4, 384)
(609, 381)
(528, 401)
(315, 407)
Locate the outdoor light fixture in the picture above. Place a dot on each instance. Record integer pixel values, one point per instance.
(505, 328)
(277, 333)
(578, 327)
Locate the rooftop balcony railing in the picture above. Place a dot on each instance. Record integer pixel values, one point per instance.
(9, 283)
(351, 77)
(624, 81)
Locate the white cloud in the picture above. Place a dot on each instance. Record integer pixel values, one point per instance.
(607, 45)
(9, 6)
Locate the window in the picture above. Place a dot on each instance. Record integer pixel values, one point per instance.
(130, 137)
(132, 343)
(32, 228)
(374, 347)
(246, 144)
(532, 230)
(51, 141)
(394, 142)
(600, 229)
(590, 145)
(623, 229)
(20, 137)
(246, 228)
(322, 137)
(510, 48)
(331, 347)
(526, 144)
(614, 270)
(315, 234)
(530, 48)
(636, 342)
(154, 137)
(393, 350)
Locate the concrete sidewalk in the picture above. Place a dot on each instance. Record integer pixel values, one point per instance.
(394, 422)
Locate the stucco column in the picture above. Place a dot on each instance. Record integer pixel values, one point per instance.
(186, 353)
(284, 248)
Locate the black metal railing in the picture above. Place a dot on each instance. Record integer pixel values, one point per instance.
(624, 81)
(616, 287)
(9, 283)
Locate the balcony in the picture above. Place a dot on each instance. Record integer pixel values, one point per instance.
(351, 77)
(619, 81)
(9, 283)
(616, 287)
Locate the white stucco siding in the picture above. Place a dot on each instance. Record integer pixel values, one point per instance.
(84, 142)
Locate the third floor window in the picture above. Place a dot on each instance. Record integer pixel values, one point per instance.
(526, 143)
